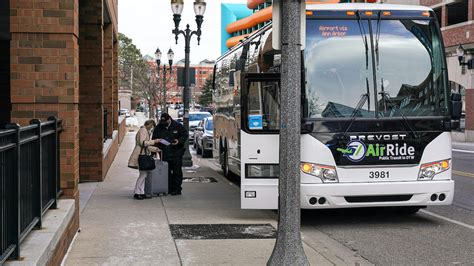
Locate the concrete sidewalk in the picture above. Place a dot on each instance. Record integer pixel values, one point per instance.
(466, 146)
(203, 226)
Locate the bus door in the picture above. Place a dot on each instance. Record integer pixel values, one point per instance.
(260, 140)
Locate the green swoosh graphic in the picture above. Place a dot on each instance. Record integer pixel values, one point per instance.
(344, 151)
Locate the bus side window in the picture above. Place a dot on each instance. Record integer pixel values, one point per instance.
(254, 107)
(264, 106)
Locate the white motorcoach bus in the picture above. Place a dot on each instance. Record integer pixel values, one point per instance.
(376, 111)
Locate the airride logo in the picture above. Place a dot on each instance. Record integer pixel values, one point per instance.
(356, 150)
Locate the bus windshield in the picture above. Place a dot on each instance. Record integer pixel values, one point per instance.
(410, 76)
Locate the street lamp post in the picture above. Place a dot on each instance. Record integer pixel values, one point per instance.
(158, 62)
(199, 10)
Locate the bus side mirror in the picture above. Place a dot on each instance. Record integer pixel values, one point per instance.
(456, 109)
(456, 106)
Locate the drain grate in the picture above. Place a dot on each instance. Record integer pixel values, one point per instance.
(199, 179)
(222, 231)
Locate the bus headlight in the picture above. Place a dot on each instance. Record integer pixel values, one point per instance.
(429, 170)
(326, 173)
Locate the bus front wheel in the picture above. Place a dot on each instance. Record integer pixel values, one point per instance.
(408, 210)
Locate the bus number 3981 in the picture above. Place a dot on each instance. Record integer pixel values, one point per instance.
(379, 174)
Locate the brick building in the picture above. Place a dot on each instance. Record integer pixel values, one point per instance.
(59, 58)
(456, 19)
(174, 92)
(204, 69)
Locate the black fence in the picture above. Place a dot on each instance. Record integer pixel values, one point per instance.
(29, 180)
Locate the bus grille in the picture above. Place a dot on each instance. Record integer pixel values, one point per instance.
(387, 198)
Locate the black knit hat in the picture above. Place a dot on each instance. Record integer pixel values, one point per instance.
(165, 117)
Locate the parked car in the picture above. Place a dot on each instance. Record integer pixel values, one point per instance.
(207, 109)
(203, 137)
(194, 119)
(124, 112)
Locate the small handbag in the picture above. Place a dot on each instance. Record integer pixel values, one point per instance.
(146, 162)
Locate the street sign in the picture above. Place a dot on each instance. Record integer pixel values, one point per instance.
(192, 76)
(276, 24)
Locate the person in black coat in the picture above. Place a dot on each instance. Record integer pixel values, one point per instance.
(174, 133)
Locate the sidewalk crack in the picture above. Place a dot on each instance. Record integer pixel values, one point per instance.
(174, 241)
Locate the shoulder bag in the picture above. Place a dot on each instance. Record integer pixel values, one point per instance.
(146, 162)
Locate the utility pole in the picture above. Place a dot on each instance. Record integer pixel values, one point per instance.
(131, 78)
(163, 107)
(288, 248)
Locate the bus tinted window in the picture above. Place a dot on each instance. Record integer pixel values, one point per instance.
(263, 108)
(408, 59)
(410, 69)
(337, 69)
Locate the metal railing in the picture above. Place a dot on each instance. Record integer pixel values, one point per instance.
(29, 180)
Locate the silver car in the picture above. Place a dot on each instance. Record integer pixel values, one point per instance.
(203, 136)
(194, 119)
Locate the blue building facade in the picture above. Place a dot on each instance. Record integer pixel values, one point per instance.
(231, 13)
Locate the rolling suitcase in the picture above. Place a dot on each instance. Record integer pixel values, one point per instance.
(156, 183)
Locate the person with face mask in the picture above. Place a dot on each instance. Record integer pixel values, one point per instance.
(174, 137)
(142, 141)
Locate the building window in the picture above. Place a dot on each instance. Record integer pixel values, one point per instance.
(438, 12)
(457, 12)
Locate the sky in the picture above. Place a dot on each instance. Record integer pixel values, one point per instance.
(149, 25)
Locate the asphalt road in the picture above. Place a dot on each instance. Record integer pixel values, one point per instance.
(434, 236)
(440, 235)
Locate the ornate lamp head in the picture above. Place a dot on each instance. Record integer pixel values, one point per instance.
(199, 7)
(158, 56)
(177, 6)
(170, 56)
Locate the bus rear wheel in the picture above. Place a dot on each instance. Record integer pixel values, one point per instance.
(225, 162)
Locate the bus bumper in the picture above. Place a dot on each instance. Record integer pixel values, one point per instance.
(352, 195)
